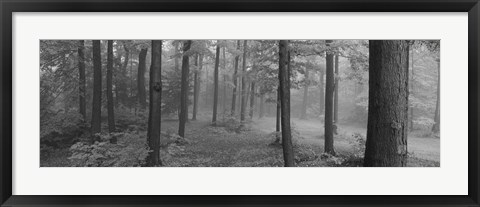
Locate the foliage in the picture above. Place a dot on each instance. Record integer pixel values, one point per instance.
(61, 128)
(130, 151)
(133, 120)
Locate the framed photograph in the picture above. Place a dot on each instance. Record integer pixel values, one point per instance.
(239, 103)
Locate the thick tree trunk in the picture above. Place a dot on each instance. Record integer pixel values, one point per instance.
(261, 110)
(235, 78)
(215, 86)
(141, 79)
(321, 88)
(305, 96)
(436, 126)
(97, 88)
(329, 102)
(110, 109)
(154, 117)
(335, 103)
(184, 89)
(82, 80)
(252, 99)
(386, 144)
(244, 70)
(285, 104)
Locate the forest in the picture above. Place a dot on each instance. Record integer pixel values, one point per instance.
(239, 103)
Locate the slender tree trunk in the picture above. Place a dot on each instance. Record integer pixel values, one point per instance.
(141, 79)
(386, 144)
(305, 96)
(321, 88)
(122, 80)
(154, 117)
(329, 103)
(184, 89)
(82, 80)
(285, 104)
(252, 98)
(196, 86)
(224, 97)
(235, 78)
(436, 126)
(244, 70)
(335, 103)
(110, 109)
(97, 88)
(215, 87)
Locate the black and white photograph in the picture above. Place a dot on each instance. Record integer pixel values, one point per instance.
(239, 103)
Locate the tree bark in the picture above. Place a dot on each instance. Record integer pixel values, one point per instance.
(244, 69)
(235, 78)
(155, 105)
(278, 116)
(141, 79)
(215, 86)
(82, 80)
(335, 103)
(305, 96)
(110, 109)
(285, 104)
(386, 144)
(412, 90)
(436, 126)
(97, 88)
(122, 80)
(184, 89)
(329, 102)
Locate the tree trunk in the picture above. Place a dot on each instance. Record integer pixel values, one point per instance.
(321, 88)
(122, 80)
(386, 144)
(244, 70)
(155, 105)
(196, 86)
(235, 78)
(252, 98)
(215, 86)
(283, 75)
(224, 97)
(278, 116)
(141, 79)
(329, 102)
(97, 88)
(184, 89)
(335, 103)
(82, 80)
(110, 109)
(436, 126)
(412, 91)
(305, 96)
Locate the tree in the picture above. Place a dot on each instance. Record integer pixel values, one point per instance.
(215, 85)
(387, 126)
(141, 78)
(252, 98)
(122, 79)
(97, 88)
(285, 104)
(196, 85)
(321, 88)
(278, 121)
(82, 81)
(184, 89)
(329, 88)
(243, 103)
(235, 78)
(335, 100)
(303, 114)
(155, 105)
(436, 125)
(110, 110)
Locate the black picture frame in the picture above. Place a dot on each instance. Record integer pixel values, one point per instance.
(7, 8)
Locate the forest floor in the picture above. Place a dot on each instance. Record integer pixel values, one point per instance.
(219, 147)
